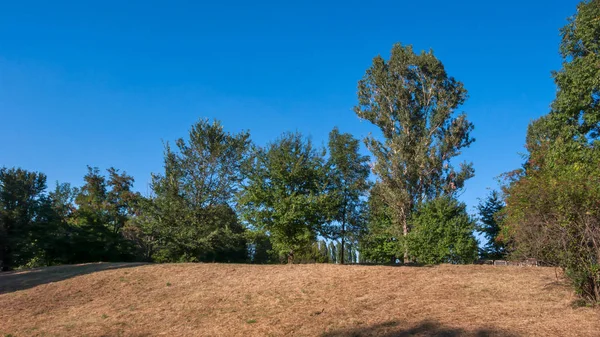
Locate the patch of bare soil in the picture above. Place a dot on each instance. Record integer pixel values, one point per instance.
(298, 300)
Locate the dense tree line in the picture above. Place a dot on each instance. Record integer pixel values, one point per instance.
(221, 198)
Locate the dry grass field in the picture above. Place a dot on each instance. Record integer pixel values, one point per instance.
(299, 300)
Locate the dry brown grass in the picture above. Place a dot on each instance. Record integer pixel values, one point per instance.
(299, 300)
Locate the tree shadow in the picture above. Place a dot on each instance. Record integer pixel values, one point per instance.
(425, 328)
(25, 279)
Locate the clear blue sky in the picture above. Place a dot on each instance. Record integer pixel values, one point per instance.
(104, 84)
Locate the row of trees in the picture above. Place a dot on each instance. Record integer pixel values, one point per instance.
(223, 199)
(66, 225)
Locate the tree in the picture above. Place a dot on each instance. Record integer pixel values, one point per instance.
(489, 212)
(349, 173)
(190, 216)
(576, 109)
(442, 232)
(103, 208)
(412, 100)
(553, 202)
(284, 194)
(380, 243)
(24, 223)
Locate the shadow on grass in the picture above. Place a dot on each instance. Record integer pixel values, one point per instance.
(25, 279)
(425, 328)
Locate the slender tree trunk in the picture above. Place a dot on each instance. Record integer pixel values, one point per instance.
(343, 235)
(405, 233)
(291, 257)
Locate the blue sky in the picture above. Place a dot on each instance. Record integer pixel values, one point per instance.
(105, 84)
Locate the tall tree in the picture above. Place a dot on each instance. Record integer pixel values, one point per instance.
(284, 194)
(576, 109)
(490, 213)
(349, 173)
(553, 202)
(413, 101)
(190, 216)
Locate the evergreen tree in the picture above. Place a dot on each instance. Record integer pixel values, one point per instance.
(24, 225)
(489, 212)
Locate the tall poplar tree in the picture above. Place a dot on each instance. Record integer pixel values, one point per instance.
(414, 103)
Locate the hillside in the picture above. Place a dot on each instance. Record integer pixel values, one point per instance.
(299, 300)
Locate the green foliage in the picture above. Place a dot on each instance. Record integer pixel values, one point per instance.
(189, 218)
(284, 194)
(25, 219)
(553, 201)
(315, 252)
(490, 217)
(576, 109)
(442, 232)
(348, 185)
(102, 207)
(382, 241)
(260, 248)
(412, 100)
(552, 213)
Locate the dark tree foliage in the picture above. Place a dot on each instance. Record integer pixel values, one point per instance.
(490, 218)
(24, 218)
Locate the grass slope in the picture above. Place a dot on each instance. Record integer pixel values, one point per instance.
(299, 300)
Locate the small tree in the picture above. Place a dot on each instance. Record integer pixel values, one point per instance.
(103, 208)
(284, 193)
(442, 232)
(413, 101)
(380, 243)
(490, 213)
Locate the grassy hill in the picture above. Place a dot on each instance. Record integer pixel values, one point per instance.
(300, 300)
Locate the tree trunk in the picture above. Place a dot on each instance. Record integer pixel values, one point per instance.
(343, 235)
(291, 257)
(405, 233)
